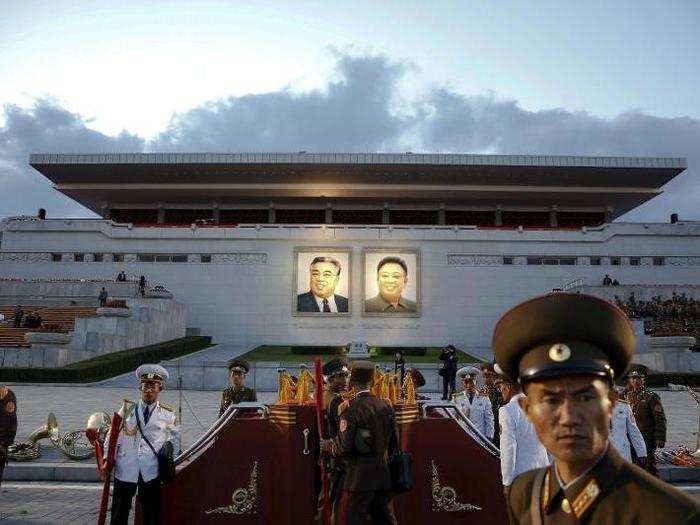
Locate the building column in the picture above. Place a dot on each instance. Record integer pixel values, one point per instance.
(608, 214)
(216, 213)
(329, 213)
(441, 214)
(553, 217)
(498, 218)
(106, 211)
(161, 214)
(271, 218)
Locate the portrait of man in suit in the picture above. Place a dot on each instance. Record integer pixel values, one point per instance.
(395, 294)
(325, 272)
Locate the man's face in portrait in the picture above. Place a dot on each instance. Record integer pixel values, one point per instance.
(391, 279)
(323, 279)
(237, 379)
(571, 415)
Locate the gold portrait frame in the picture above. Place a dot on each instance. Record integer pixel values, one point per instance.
(319, 251)
(416, 272)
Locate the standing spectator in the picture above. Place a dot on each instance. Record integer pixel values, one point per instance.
(103, 297)
(521, 449)
(649, 415)
(142, 286)
(8, 423)
(607, 281)
(399, 365)
(624, 432)
(19, 313)
(121, 277)
(448, 371)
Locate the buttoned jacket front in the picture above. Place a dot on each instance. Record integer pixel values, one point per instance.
(133, 455)
(479, 411)
(624, 432)
(521, 449)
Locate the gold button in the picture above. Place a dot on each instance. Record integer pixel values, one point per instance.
(565, 506)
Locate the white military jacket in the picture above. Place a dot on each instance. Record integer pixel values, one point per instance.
(478, 411)
(521, 449)
(134, 456)
(625, 431)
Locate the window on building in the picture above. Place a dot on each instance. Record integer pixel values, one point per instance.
(79, 257)
(595, 261)
(56, 257)
(552, 261)
(146, 257)
(98, 257)
(470, 217)
(118, 257)
(413, 217)
(659, 261)
(179, 258)
(285, 216)
(187, 217)
(615, 261)
(135, 216)
(162, 258)
(507, 260)
(635, 261)
(357, 216)
(526, 219)
(244, 216)
(205, 258)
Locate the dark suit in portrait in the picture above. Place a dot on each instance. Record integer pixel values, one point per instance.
(378, 304)
(306, 302)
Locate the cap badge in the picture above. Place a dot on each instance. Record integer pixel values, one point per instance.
(559, 352)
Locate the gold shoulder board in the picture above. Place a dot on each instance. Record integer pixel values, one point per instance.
(166, 407)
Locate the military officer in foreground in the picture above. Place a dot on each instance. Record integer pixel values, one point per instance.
(366, 439)
(8, 423)
(237, 392)
(566, 349)
(648, 414)
(473, 404)
(136, 464)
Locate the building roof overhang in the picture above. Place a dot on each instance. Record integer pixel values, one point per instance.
(620, 183)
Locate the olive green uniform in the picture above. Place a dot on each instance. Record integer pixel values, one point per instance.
(8, 425)
(613, 492)
(232, 396)
(651, 420)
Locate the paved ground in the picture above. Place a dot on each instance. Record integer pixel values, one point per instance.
(49, 503)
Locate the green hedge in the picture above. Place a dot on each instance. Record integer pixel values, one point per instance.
(318, 350)
(106, 366)
(406, 351)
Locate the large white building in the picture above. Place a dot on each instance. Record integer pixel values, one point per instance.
(232, 235)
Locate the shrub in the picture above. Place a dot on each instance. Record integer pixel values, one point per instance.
(406, 351)
(318, 350)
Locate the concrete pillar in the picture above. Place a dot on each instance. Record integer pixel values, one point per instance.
(498, 218)
(271, 218)
(385, 213)
(553, 217)
(216, 212)
(608, 214)
(441, 214)
(329, 213)
(161, 214)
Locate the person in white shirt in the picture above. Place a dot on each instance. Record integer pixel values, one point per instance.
(473, 404)
(136, 464)
(624, 432)
(521, 449)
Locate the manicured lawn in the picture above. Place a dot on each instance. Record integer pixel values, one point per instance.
(284, 354)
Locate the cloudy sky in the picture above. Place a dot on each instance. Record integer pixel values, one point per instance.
(538, 77)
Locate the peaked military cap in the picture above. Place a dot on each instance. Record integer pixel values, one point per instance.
(638, 371)
(149, 372)
(362, 371)
(238, 365)
(563, 334)
(335, 366)
(470, 371)
(487, 368)
(417, 377)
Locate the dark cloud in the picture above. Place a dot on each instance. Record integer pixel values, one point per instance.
(46, 127)
(355, 112)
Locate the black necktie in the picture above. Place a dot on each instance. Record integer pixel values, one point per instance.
(146, 415)
(471, 398)
(326, 306)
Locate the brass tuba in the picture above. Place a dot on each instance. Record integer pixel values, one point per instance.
(31, 449)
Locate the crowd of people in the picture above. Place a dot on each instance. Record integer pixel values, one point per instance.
(26, 320)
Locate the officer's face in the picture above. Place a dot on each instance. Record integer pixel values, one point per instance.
(149, 391)
(571, 416)
(323, 279)
(338, 382)
(237, 379)
(636, 382)
(391, 280)
(468, 383)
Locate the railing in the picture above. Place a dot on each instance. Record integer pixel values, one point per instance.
(576, 283)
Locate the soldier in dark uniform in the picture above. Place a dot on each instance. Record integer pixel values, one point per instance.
(566, 349)
(490, 389)
(366, 439)
(237, 392)
(336, 371)
(8, 423)
(648, 414)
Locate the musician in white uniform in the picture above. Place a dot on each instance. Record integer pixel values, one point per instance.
(624, 432)
(521, 449)
(136, 465)
(474, 405)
